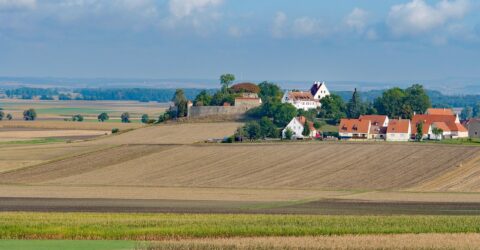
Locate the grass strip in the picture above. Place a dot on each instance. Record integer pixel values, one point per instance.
(122, 226)
(66, 245)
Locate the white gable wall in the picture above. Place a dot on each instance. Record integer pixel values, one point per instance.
(321, 92)
(296, 127)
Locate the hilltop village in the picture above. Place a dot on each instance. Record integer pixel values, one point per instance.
(311, 114)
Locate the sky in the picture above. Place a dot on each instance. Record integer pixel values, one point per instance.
(388, 40)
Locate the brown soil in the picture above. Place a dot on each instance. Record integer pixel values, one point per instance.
(301, 166)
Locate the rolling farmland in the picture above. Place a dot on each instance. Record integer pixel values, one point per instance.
(334, 166)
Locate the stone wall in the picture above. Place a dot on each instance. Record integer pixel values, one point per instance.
(215, 111)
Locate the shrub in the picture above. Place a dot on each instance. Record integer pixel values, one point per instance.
(103, 117)
(77, 118)
(145, 118)
(125, 117)
(29, 115)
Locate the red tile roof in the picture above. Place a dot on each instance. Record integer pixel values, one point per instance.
(300, 96)
(449, 120)
(398, 126)
(444, 111)
(442, 125)
(354, 126)
(377, 120)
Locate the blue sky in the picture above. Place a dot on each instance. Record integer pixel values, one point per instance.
(360, 40)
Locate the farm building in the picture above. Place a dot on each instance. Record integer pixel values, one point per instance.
(399, 130)
(354, 129)
(378, 127)
(473, 126)
(307, 99)
(296, 125)
(443, 119)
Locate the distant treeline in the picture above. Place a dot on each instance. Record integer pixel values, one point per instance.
(29, 93)
(134, 94)
(94, 94)
(165, 95)
(438, 99)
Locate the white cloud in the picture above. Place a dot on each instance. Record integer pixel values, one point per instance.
(417, 16)
(357, 20)
(306, 26)
(235, 31)
(17, 4)
(279, 22)
(184, 8)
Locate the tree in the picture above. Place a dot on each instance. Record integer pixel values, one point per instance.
(103, 117)
(253, 130)
(240, 133)
(203, 99)
(226, 80)
(476, 110)
(9, 117)
(333, 107)
(77, 118)
(310, 114)
(270, 92)
(2, 114)
(267, 128)
(288, 134)
(437, 132)
(467, 113)
(355, 107)
(396, 102)
(29, 115)
(391, 103)
(283, 114)
(145, 118)
(125, 117)
(419, 135)
(306, 129)
(180, 102)
(64, 97)
(417, 98)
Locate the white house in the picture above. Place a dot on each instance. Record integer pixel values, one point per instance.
(399, 130)
(296, 125)
(378, 126)
(307, 99)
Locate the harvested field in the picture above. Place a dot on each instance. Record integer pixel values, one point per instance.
(23, 134)
(365, 242)
(322, 166)
(58, 110)
(19, 156)
(181, 133)
(45, 124)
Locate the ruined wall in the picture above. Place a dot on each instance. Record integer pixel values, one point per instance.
(206, 111)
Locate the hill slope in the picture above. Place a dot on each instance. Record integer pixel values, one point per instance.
(302, 166)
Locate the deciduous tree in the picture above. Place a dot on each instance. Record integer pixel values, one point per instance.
(103, 117)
